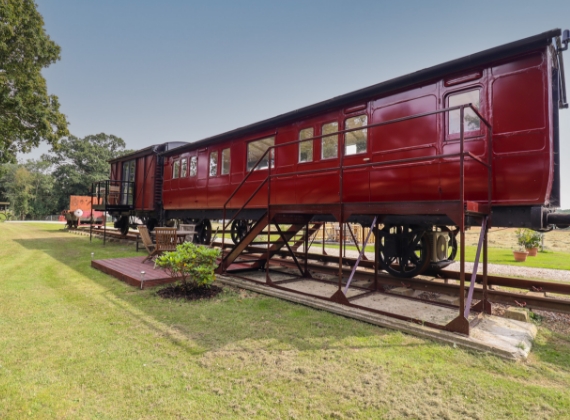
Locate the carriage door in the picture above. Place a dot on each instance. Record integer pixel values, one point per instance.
(356, 182)
(475, 140)
(201, 191)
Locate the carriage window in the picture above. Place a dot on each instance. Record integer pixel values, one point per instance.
(129, 171)
(329, 144)
(127, 190)
(355, 141)
(193, 165)
(184, 168)
(256, 149)
(225, 161)
(306, 147)
(176, 169)
(213, 163)
(470, 121)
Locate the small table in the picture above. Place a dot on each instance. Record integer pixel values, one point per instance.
(182, 234)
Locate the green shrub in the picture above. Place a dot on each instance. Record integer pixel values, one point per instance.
(194, 264)
(527, 238)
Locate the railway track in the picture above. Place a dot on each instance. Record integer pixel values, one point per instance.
(532, 294)
(110, 233)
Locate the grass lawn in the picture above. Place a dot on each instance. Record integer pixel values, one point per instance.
(544, 259)
(78, 344)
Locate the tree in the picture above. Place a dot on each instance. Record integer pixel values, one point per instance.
(42, 187)
(3, 172)
(29, 188)
(28, 114)
(77, 163)
(18, 183)
(42, 198)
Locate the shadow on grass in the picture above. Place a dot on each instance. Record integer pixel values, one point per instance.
(236, 317)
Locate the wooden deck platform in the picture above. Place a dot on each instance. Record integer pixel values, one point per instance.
(129, 271)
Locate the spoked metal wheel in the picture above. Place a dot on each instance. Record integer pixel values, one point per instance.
(239, 230)
(203, 232)
(404, 251)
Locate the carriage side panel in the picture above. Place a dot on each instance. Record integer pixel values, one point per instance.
(520, 94)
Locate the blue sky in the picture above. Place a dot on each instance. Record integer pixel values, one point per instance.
(151, 71)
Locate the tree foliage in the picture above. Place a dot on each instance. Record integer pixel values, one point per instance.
(77, 163)
(29, 188)
(42, 187)
(28, 114)
(18, 183)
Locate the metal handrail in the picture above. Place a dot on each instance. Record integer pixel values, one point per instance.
(101, 190)
(341, 165)
(397, 120)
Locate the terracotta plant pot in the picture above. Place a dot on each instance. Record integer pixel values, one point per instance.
(520, 256)
(532, 251)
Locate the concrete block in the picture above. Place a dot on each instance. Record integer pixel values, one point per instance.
(402, 291)
(447, 300)
(518, 314)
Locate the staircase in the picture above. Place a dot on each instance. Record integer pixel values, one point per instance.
(158, 183)
(278, 238)
(311, 231)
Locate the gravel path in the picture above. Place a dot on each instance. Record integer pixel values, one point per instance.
(495, 269)
(514, 271)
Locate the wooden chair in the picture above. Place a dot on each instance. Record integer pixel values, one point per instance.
(192, 232)
(166, 239)
(147, 242)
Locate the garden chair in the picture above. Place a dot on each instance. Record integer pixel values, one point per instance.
(147, 242)
(166, 239)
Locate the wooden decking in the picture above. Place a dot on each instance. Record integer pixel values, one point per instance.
(129, 271)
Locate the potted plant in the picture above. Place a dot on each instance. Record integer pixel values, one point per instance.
(520, 254)
(533, 242)
(528, 240)
(522, 238)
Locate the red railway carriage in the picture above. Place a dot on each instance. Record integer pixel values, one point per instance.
(134, 189)
(517, 88)
(444, 146)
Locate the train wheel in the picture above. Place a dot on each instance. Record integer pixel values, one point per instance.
(239, 230)
(123, 225)
(451, 242)
(404, 251)
(203, 232)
